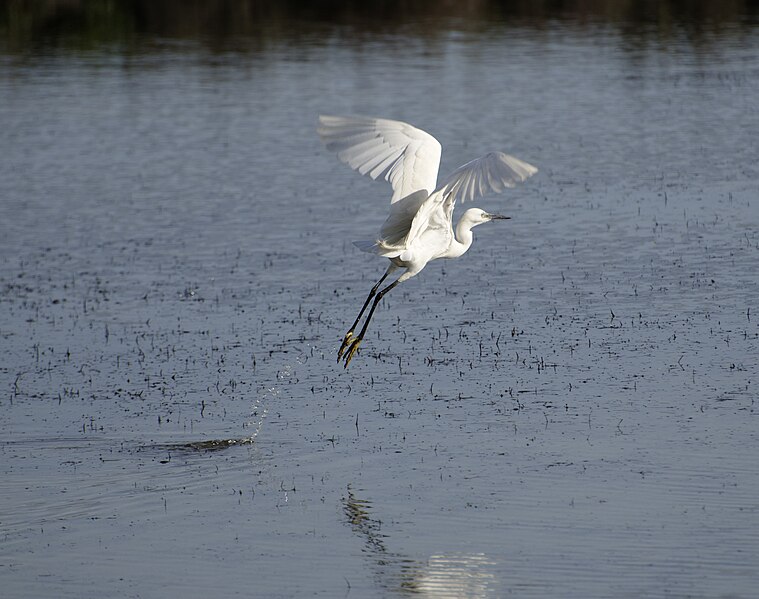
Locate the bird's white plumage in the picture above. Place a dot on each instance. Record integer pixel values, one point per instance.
(396, 227)
(405, 156)
(409, 159)
(419, 228)
(491, 173)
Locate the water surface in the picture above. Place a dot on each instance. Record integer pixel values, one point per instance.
(568, 410)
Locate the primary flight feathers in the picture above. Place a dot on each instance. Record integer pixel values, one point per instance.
(492, 172)
(409, 159)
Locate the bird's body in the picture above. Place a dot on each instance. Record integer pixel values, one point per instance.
(419, 228)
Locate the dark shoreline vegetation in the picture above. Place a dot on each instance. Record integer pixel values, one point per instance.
(29, 26)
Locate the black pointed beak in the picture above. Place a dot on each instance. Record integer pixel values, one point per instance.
(498, 217)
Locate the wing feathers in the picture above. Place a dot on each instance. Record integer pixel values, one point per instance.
(385, 164)
(398, 223)
(492, 172)
(409, 158)
(405, 156)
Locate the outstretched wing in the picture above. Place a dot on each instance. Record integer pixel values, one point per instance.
(492, 172)
(405, 156)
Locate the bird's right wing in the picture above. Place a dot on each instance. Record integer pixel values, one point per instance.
(492, 172)
(405, 156)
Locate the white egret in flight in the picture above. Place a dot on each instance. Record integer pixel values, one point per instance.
(419, 228)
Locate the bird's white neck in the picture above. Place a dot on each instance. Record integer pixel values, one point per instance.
(463, 240)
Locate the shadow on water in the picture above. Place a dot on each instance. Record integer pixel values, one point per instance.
(27, 27)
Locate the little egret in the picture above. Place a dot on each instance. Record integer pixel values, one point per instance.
(419, 228)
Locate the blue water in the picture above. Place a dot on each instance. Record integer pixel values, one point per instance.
(568, 410)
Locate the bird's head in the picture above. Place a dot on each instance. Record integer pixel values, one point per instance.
(477, 216)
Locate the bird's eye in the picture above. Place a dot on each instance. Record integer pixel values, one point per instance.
(484, 215)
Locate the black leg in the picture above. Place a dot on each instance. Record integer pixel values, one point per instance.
(349, 334)
(353, 346)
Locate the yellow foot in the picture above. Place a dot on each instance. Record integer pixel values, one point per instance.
(346, 341)
(352, 351)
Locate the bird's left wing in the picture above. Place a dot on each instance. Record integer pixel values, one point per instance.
(405, 156)
(492, 172)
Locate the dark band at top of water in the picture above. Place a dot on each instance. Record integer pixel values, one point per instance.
(121, 25)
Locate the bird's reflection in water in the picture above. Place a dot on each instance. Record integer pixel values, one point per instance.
(457, 575)
(451, 575)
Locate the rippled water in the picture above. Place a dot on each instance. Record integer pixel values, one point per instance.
(568, 410)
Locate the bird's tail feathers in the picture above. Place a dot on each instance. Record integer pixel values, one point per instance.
(366, 245)
(378, 247)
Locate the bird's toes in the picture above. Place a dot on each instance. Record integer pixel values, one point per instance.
(344, 345)
(352, 351)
